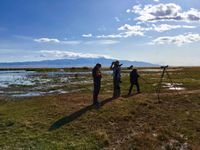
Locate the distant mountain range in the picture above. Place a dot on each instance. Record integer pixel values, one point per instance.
(80, 62)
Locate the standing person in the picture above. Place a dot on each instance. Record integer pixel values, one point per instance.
(96, 74)
(134, 81)
(116, 67)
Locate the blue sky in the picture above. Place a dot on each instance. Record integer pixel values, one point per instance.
(156, 31)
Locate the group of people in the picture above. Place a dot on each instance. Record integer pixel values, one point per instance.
(116, 68)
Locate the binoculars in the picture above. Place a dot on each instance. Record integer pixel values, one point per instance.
(164, 67)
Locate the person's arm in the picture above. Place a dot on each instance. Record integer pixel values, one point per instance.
(111, 66)
(99, 74)
(93, 73)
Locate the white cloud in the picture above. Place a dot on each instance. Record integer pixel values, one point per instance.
(102, 42)
(129, 27)
(128, 10)
(170, 11)
(131, 33)
(178, 40)
(47, 40)
(87, 35)
(56, 41)
(122, 35)
(128, 31)
(153, 27)
(71, 42)
(167, 27)
(156, 0)
(191, 15)
(137, 30)
(58, 54)
(110, 36)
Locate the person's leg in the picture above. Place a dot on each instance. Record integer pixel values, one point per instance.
(95, 94)
(138, 87)
(114, 88)
(98, 90)
(118, 92)
(130, 89)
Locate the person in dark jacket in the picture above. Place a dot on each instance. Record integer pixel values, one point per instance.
(96, 74)
(134, 81)
(116, 67)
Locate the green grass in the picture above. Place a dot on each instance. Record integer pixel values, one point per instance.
(136, 122)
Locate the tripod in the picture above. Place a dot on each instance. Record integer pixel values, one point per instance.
(161, 80)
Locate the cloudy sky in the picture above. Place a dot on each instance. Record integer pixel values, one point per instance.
(156, 31)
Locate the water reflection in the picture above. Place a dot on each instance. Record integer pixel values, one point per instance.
(23, 83)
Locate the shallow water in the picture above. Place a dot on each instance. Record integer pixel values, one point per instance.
(8, 78)
(177, 88)
(174, 86)
(37, 93)
(158, 70)
(23, 83)
(28, 94)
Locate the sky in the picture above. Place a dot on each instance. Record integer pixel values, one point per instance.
(165, 32)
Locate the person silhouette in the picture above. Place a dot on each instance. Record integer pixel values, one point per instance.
(116, 67)
(134, 81)
(96, 74)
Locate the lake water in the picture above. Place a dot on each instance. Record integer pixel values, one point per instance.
(174, 86)
(23, 83)
(159, 70)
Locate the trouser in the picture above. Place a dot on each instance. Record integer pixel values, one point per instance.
(96, 90)
(131, 87)
(116, 92)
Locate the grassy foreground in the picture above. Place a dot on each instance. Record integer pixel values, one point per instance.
(67, 121)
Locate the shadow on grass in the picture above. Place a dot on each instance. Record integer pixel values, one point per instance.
(131, 95)
(127, 96)
(75, 115)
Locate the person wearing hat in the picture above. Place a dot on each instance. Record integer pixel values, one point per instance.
(96, 74)
(116, 67)
(134, 80)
